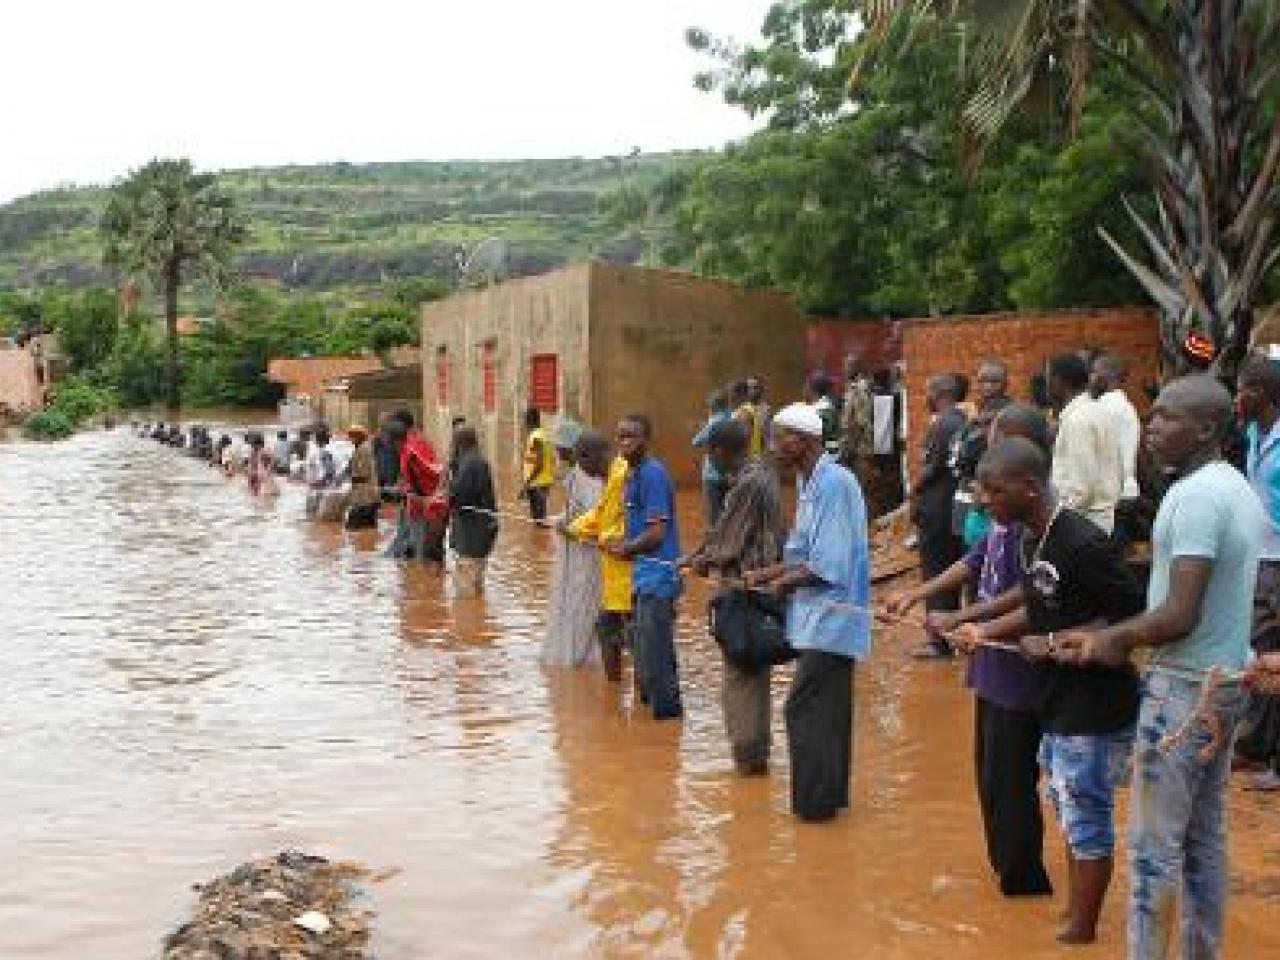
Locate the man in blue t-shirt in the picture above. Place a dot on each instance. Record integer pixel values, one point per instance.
(1206, 543)
(652, 544)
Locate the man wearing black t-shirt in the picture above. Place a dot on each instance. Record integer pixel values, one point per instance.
(1071, 576)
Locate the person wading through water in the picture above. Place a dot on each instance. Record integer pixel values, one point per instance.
(1071, 577)
(748, 535)
(424, 508)
(539, 466)
(1006, 687)
(473, 527)
(1206, 542)
(604, 524)
(825, 577)
(652, 544)
(574, 601)
(362, 472)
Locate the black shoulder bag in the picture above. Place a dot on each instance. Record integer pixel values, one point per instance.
(750, 628)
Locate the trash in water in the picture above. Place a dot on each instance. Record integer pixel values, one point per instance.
(313, 922)
(293, 905)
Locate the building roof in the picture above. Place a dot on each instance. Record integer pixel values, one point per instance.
(308, 375)
(393, 383)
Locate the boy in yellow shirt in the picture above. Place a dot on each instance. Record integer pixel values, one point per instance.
(606, 523)
(539, 465)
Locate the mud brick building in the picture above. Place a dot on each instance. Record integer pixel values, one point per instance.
(596, 341)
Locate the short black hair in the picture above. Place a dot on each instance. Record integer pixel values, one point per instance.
(1265, 372)
(532, 418)
(1027, 421)
(465, 438)
(728, 435)
(1016, 457)
(1070, 369)
(322, 433)
(280, 434)
(642, 421)
(946, 384)
(591, 441)
(405, 416)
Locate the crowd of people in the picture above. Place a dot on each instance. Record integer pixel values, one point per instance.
(1026, 517)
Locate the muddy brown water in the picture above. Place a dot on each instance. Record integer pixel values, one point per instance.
(193, 679)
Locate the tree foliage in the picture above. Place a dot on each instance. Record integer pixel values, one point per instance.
(165, 222)
(858, 202)
(1202, 88)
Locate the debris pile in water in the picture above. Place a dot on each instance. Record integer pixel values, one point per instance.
(292, 906)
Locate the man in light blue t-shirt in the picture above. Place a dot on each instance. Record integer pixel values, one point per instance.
(1206, 541)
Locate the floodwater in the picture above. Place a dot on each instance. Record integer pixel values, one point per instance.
(193, 679)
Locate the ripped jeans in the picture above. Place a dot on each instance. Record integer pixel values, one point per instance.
(1177, 828)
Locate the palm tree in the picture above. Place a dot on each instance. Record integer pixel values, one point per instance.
(1207, 73)
(165, 220)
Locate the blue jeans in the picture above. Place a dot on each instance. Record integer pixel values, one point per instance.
(1082, 773)
(1177, 830)
(653, 631)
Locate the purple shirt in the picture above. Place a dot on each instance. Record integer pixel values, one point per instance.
(1006, 679)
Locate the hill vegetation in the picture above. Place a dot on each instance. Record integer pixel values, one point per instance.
(343, 225)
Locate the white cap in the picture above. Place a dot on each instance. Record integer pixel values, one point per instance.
(800, 418)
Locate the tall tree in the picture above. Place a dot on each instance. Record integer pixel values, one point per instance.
(165, 223)
(1206, 73)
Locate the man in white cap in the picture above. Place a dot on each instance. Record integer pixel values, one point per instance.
(825, 576)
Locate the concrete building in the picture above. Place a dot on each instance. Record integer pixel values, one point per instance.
(596, 341)
(27, 371)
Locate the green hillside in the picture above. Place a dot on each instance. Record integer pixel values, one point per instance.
(343, 225)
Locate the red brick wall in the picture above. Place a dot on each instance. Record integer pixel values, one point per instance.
(827, 342)
(1024, 342)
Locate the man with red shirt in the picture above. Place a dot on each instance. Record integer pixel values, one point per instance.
(424, 507)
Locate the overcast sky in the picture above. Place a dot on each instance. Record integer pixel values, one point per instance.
(92, 88)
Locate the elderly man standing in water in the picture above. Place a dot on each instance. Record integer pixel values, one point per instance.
(825, 576)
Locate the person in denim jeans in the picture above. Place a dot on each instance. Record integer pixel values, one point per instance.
(1070, 576)
(652, 544)
(1206, 543)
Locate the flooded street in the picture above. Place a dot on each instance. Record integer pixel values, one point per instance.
(194, 679)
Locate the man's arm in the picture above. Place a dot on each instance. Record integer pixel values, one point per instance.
(649, 540)
(1158, 627)
(953, 578)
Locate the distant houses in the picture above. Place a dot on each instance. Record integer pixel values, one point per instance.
(28, 370)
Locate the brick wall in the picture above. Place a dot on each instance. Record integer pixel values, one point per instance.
(1024, 342)
(878, 343)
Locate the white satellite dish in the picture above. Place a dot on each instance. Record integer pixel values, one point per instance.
(485, 264)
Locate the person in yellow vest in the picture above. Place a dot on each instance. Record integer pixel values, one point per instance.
(603, 524)
(539, 465)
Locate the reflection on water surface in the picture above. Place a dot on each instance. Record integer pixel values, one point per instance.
(193, 679)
